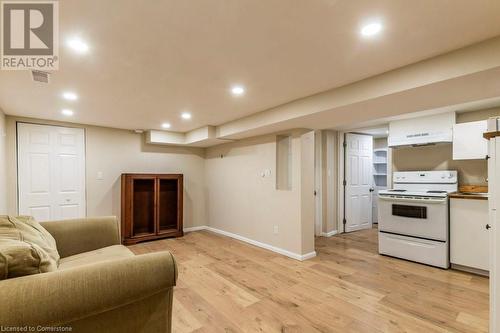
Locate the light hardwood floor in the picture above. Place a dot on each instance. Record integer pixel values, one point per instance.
(228, 286)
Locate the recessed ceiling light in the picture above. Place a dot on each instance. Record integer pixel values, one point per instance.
(371, 29)
(237, 90)
(78, 45)
(70, 96)
(165, 125)
(186, 115)
(67, 112)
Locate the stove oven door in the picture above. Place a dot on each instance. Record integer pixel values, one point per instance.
(422, 217)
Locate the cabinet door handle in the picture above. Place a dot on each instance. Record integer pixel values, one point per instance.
(488, 227)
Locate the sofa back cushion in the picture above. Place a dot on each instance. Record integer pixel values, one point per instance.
(25, 247)
(18, 258)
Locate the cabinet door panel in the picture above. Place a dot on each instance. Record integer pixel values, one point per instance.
(168, 205)
(468, 141)
(469, 239)
(143, 206)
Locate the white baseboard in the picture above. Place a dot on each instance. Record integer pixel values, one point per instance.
(201, 227)
(472, 270)
(329, 234)
(308, 256)
(284, 252)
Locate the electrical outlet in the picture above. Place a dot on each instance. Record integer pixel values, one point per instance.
(275, 230)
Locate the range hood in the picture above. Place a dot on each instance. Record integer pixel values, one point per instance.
(422, 131)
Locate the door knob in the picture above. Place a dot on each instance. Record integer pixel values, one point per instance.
(488, 227)
(372, 189)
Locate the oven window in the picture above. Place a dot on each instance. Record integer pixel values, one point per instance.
(415, 212)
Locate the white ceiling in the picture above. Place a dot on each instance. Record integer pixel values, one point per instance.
(151, 60)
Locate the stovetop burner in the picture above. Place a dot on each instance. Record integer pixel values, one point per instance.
(414, 193)
(421, 185)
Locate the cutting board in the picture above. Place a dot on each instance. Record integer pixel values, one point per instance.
(473, 189)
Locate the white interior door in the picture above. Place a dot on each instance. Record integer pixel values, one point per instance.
(359, 181)
(51, 171)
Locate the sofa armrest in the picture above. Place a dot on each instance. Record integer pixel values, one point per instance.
(83, 235)
(61, 297)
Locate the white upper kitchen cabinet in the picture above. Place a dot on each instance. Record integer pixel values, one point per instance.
(468, 141)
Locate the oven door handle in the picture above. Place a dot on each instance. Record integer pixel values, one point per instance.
(414, 199)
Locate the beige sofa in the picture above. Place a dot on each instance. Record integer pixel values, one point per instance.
(100, 285)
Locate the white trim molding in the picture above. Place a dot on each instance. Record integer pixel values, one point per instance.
(198, 228)
(307, 256)
(329, 234)
(340, 182)
(293, 255)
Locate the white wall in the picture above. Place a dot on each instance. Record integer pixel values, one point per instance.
(241, 201)
(307, 188)
(329, 179)
(113, 152)
(227, 193)
(3, 164)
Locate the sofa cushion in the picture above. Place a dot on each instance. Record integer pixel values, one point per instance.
(25, 228)
(19, 258)
(92, 257)
(32, 241)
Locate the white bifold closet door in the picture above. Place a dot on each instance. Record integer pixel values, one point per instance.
(51, 171)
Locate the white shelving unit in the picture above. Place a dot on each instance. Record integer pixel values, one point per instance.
(379, 177)
(380, 167)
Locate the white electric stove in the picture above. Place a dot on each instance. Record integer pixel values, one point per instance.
(414, 216)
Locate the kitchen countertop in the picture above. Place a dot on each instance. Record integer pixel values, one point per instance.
(468, 195)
